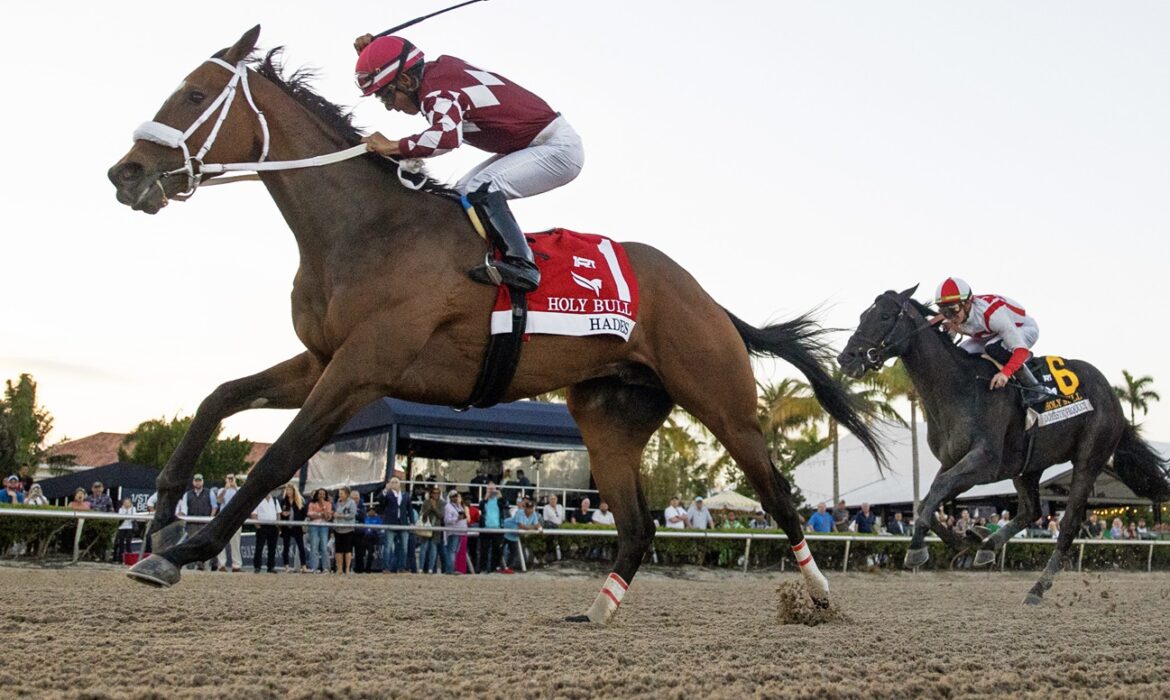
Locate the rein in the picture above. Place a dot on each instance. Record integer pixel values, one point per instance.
(875, 354)
(194, 167)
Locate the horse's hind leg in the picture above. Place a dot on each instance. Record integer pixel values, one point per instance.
(1027, 510)
(616, 421)
(285, 385)
(1085, 473)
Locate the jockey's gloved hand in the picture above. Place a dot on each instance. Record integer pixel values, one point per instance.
(362, 42)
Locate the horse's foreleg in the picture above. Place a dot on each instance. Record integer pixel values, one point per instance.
(616, 422)
(1027, 509)
(285, 385)
(335, 398)
(976, 467)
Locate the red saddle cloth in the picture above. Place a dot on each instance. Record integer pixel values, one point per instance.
(587, 287)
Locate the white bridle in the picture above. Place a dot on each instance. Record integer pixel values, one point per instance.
(195, 168)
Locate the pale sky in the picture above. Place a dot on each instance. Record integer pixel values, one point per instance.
(788, 154)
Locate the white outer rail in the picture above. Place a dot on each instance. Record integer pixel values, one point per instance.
(82, 515)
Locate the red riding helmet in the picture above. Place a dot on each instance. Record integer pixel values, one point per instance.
(952, 291)
(383, 60)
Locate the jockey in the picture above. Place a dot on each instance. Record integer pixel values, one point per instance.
(536, 148)
(995, 325)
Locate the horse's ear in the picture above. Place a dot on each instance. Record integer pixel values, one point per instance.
(244, 47)
(906, 294)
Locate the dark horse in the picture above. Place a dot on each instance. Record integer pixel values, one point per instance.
(978, 435)
(383, 304)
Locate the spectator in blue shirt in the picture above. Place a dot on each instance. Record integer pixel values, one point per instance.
(12, 492)
(865, 520)
(820, 521)
(525, 518)
(493, 509)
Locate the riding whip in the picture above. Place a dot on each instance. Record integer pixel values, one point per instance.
(416, 20)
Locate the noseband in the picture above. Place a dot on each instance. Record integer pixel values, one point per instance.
(194, 167)
(876, 354)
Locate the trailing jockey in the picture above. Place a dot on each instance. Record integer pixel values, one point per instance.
(997, 326)
(536, 148)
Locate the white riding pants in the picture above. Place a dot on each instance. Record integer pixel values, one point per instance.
(553, 159)
(1029, 333)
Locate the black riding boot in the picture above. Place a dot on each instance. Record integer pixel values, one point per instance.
(1034, 392)
(517, 269)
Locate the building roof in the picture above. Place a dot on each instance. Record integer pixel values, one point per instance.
(100, 449)
(860, 481)
(91, 451)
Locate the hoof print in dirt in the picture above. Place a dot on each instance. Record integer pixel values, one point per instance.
(795, 607)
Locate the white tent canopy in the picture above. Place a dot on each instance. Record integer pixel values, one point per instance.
(862, 483)
(730, 500)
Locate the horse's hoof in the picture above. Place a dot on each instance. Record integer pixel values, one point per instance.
(578, 618)
(916, 557)
(167, 537)
(1033, 599)
(984, 557)
(155, 571)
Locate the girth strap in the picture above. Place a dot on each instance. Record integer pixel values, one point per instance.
(501, 359)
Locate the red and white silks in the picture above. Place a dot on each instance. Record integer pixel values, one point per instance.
(818, 585)
(608, 600)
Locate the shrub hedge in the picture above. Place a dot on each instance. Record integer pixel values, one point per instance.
(48, 537)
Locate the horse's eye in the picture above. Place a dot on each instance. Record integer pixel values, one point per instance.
(196, 97)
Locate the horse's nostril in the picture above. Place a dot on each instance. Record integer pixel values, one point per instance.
(127, 173)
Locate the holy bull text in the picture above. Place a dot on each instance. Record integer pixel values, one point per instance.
(588, 306)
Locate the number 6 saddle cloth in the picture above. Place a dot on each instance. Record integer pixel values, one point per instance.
(1066, 401)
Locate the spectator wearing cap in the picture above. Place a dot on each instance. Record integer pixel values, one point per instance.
(197, 502)
(821, 520)
(841, 516)
(223, 497)
(760, 522)
(99, 500)
(698, 515)
(12, 492)
(675, 515)
(35, 496)
(524, 519)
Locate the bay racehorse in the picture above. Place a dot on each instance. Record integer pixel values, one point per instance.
(384, 307)
(979, 437)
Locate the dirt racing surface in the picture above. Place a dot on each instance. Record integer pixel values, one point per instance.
(92, 633)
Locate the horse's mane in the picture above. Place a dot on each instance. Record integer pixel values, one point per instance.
(943, 338)
(335, 117)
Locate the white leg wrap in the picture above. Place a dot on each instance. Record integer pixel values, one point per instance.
(608, 600)
(817, 584)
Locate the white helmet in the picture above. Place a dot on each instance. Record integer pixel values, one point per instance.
(952, 291)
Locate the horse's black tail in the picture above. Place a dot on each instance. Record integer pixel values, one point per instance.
(801, 343)
(1140, 468)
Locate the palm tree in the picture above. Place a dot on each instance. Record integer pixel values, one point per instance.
(895, 383)
(1136, 393)
(785, 406)
(872, 402)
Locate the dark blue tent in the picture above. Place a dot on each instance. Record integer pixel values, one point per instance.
(362, 452)
(504, 431)
(119, 475)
